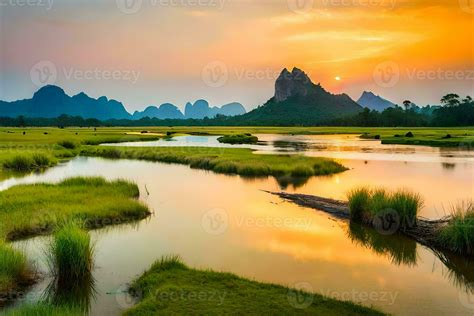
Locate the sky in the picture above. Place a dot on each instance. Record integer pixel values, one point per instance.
(148, 52)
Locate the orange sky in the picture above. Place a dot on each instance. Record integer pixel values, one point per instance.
(173, 45)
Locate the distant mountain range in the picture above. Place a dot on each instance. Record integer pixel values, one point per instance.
(374, 102)
(298, 101)
(51, 101)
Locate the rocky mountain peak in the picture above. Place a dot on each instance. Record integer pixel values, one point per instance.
(291, 83)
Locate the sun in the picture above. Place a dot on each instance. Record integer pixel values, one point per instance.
(338, 78)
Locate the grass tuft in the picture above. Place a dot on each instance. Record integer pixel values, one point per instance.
(365, 204)
(458, 235)
(28, 162)
(238, 139)
(68, 144)
(71, 253)
(13, 266)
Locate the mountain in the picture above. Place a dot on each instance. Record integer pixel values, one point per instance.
(298, 101)
(374, 102)
(51, 101)
(201, 109)
(165, 111)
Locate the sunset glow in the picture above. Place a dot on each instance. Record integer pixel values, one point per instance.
(169, 46)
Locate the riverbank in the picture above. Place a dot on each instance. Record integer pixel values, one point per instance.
(170, 287)
(239, 161)
(32, 210)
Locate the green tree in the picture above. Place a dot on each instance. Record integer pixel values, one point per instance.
(451, 99)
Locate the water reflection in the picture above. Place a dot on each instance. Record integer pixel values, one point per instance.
(75, 294)
(400, 249)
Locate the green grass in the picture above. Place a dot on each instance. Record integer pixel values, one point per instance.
(68, 144)
(458, 235)
(13, 267)
(171, 288)
(240, 161)
(28, 162)
(71, 253)
(28, 210)
(43, 309)
(238, 139)
(366, 204)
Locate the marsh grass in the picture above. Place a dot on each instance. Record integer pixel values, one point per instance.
(28, 210)
(13, 267)
(239, 161)
(458, 234)
(365, 204)
(68, 144)
(169, 287)
(70, 254)
(238, 139)
(28, 162)
(43, 309)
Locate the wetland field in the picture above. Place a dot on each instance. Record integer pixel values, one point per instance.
(174, 220)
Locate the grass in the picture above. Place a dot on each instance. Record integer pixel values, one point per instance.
(28, 162)
(458, 235)
(13, 267)
(171, 288)
(366, 204)
(71, 253)
(29, 210)
(224, 160)
(238, 139)
(43, 309)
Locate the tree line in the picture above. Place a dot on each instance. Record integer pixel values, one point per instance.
(454, 111)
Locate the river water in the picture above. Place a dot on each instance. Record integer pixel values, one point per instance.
(227, 223)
